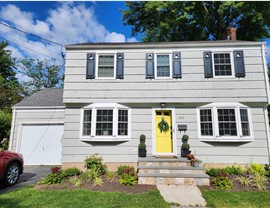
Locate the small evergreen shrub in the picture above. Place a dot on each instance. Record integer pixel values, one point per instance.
(234, 170)
(71, 172)
(127, 180)
(142, 138)
(224, 183)
(53, 178)
(257, 169)
(214, 171)
(90, 175)
(185, 146)
(95, 162)
(142, 146)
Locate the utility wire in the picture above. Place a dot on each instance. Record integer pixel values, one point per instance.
(30, 49)
(2, 23)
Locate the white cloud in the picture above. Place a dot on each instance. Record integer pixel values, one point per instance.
(69, 23)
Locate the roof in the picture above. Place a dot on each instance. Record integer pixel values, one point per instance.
(49, 97)
(183, 44)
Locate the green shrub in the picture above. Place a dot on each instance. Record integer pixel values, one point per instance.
(90, 175)
(142, 138)
(259, 181)
(110, 175)
(142, 146)
(95, 162)
(185, 146)
(127, 180)
(267, 170)
(224, 183)
(53, 178)
(234, 170)
(125, 169)
(98, 181)
(76, 181)
(257, 169)
(71, 172)
(185, 138)
(246, 181)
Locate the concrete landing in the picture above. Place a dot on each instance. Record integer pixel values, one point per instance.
(185, 195)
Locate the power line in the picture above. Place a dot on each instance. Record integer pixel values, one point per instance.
(30, 49)
(2, 23)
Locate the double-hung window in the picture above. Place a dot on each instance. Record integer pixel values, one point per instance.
(105, 122)
(106, 66)
(224, 122)
(222, 64)
(163, 68)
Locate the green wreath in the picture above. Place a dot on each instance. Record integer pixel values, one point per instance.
(163, 125)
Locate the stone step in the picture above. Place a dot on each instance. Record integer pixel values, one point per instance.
(171, 169)
(164, 163)
(173, 179)
(157, 159)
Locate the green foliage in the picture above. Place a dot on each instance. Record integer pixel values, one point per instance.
(185, 146)
(259, 180)
(234, 170)
(246, 181)
(142, 138)
(53, 178)
(5, 125)
(224, 183)
(125, 169)
(257, 169)
(161, 21)
(98, 181)
(267, 170)
(95, 162)
(71, 172)
(40, 74)
(4, 144)
(110, 175)
(76, 181)
(90, 175)
(142, 146)
(163, 125)
(185, 138)
(127, 180)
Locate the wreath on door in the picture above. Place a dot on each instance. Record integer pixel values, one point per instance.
(163, 125)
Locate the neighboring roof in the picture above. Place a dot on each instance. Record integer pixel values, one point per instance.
(44, 98)
(183, 44)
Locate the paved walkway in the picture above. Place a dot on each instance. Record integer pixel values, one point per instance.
(30, 176)
(184, 195)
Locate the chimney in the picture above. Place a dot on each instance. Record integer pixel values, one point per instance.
(229, 34)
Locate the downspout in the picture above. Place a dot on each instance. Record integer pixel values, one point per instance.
(268, 99)
(12, 129)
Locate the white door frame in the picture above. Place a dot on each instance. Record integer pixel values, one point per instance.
(154, 153)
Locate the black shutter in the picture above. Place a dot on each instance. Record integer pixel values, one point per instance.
(90, 67)
(208, 68)
(239, 64)
(177, 71)
(150, 71)
(120, 66)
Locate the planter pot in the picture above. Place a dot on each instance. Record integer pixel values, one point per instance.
(184, 153)
(196, 164)
(142, 153)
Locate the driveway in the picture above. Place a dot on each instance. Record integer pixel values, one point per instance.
(31, 175)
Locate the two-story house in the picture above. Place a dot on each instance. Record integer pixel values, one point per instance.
(214, 91)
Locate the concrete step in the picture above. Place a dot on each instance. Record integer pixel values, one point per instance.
(171, 169)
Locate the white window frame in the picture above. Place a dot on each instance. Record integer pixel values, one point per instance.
(114, 69)
(170, 65)
(216, 137)
(232, 64)
(108, 138)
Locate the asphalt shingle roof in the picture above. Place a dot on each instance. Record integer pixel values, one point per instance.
(46, 97)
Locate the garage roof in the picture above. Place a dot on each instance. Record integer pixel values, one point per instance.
(46, 98)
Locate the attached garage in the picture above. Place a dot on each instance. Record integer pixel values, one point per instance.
(38, 126)
(41, 144)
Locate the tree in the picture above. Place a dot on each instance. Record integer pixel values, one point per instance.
(190, 21)
(5, 125)
(10, 90)
(37, 75)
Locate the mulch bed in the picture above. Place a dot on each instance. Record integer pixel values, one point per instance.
(237, 186)
(107, 186)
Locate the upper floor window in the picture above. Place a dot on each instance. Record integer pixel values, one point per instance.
(163, 66)
(225, 122)
(106, 66)
(105, 122)
(222, 64)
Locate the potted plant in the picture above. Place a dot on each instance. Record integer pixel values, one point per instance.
(142, 147)
(195, 162)
(185, 146)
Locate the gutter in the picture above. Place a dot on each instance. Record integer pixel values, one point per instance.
(268, 100)
(12, 129)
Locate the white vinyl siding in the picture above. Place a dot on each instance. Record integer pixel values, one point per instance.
(224, 122)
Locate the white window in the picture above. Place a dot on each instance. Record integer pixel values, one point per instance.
(163, 65)
(224, 122)
(106, 66)
(105, 122)
(222, 64)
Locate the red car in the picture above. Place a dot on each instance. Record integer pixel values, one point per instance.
(11, 167)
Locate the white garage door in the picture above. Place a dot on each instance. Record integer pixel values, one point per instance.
(41, 144)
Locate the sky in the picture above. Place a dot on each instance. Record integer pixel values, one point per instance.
(64, 23)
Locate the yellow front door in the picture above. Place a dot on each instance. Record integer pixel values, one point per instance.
(164, 142)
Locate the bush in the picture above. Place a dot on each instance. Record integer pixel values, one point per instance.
(142, 138)
(56, 169)
(125, 169)
(234, 170)
(127, 180)
(185, 138)
(142, 146)
(76, 181)
(256, 169)
(95, 162)
(90, 175)
(185, 146)
(4, 144)
(224, 183)
(71, 172)
(246, 181)
(53, 178)
(267, 170)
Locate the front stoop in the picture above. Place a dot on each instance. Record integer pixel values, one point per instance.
(170, 171)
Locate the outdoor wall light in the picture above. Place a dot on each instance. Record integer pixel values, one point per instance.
(162, 105)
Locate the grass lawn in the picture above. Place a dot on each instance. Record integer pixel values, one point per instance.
(246, 199)
(29, 197)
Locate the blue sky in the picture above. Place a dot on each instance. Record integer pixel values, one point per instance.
(63, 22)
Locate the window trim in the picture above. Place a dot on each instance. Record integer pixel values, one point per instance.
(216, 137)
(108, 138)
(232, 64)
(170, 65)
(114, 69)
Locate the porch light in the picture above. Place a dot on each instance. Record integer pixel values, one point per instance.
(162, 105)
